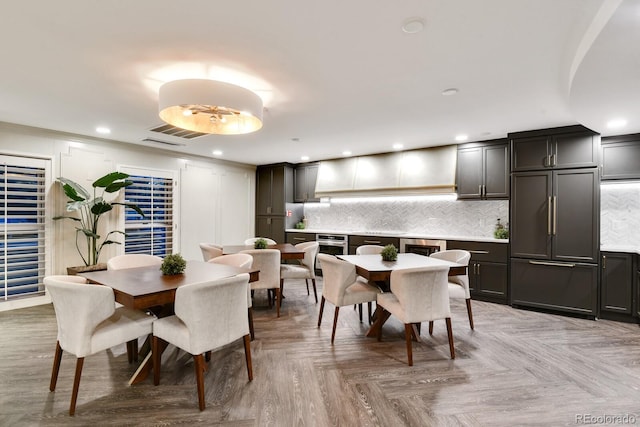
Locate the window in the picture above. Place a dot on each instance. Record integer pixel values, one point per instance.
(23, 184)
(153, 234)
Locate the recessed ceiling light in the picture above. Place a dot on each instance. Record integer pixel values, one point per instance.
(295, 139)
(450, 91)
(304, 158)
(346, 153)
(103, 130)
(217, 153)
(462, 137)
(616, 123)
(413, 25)
(398, 146)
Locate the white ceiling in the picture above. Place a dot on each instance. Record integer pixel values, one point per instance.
(337, 75)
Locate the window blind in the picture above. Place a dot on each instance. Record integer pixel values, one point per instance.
(153, 234)
(22, 236)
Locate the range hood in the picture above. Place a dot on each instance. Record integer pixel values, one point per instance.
(424, 171)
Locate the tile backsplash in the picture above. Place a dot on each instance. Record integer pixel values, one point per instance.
(419, 216)
(620, 214)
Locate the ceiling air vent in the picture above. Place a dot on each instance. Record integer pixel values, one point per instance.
(177, 132)
(157, 141)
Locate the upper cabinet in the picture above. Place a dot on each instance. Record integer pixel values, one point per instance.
(559, 148)
(483, 170)
(305, 177)
(621, 157)
(274, 188)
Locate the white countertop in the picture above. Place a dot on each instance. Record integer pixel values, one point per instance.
(631, 249)
(397, 234)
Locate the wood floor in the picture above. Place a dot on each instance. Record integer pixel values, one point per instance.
(517, 368)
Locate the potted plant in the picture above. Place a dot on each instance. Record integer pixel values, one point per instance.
(173, 264)
(389, 253)
(90, 208)
(260, 244)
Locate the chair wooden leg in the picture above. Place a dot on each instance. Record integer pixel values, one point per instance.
(278, 301)
(335, 323)
(315, 291)
(250, 317)
(306, 281)
(469, 312)
(281, 288)
(407, 337)
(369, 311)
(129, 351)
(360, 312)
(431, 327)
(76, 385)
(57, 358)
(450, 334)
(155, 355)
(321, 310)
(247, 356)
(207, 356)
(199, 367)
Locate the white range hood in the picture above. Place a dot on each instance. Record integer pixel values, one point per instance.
(424, 171)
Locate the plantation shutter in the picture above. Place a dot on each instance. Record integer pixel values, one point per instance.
(22, 236)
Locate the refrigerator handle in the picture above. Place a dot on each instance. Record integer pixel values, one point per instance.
(549, 216)
(555, 214)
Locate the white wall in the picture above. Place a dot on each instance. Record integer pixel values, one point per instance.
(216, 198)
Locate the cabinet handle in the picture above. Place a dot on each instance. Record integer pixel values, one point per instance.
(554, 160)
(552, 264)
(373, 242)
(300, 238)
(546, 161)
(478, 269)
(478, 252)
(268, 209)
(480, 189)
(484, 190)
(268, 220)
(549, 216)
(604, 262)
(555, 214)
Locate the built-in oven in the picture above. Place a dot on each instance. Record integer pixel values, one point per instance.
(422, 246)
(332, 244)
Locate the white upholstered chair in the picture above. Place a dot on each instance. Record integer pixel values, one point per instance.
(305, 270)
(252, 240)
(458, 285)
(207, 316)
(369, 249)
(341, 287)
(119, 262)
(210, 250)
(88, 322)
(240, 261)
(417, 295)
(268, 262)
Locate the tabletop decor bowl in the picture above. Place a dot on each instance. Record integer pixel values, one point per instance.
(173, 264)
(260, 244)
(389, 253)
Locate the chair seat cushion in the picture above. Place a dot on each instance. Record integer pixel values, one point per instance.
(359, 292)
(124, 325)
(173, 330)
(456, 291)
(293, 271)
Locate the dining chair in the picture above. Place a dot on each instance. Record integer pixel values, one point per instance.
(252, 240)
(458, 285)
(210, 250)
(120, 262)
(369, 249)
(240, 261)
(341, 287)
(417, 295)
(306, 269)
(207, 316)
(267, 261)
(88, 322)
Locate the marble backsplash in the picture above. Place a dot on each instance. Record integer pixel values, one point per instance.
(419, 216)
(620, 214)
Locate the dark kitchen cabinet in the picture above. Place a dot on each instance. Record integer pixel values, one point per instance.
(272, 227)
(274, 188)
(295, 238)
(616, 285)
(305, 177)
(561, 148)
(355, 241)
(621, 157)
(488, 276)
(483, 170)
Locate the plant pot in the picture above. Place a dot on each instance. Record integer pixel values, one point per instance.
(72, 271)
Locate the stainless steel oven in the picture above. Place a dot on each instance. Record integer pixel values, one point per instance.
(422, 246)
(331, 244)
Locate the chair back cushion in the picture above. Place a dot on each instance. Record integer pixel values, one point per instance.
(310, 252)
(337, 275)
(209, 251)
(80, 308)
(458, 256)
(252, 240)
(268, 262)
(423, 293)
(369, 249)
(235, 260)
(120, 262)
(214, 313)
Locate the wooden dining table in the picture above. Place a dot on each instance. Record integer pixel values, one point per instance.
(287, 250)
(146, 287)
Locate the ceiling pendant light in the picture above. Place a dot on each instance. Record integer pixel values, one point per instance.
(210, 106)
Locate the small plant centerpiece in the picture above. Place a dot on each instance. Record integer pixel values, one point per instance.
(173, 264)
(260, 244)
(90, 208)
(389, 253)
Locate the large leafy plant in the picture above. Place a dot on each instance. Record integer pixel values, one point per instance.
(90, 208)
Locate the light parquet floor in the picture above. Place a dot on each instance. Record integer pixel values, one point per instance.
(517, 368)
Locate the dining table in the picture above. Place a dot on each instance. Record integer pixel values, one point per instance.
(287, 250)
(142, 288)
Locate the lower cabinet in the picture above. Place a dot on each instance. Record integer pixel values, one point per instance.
(487, 269)
(271, 227)
(355, 241)
(295, 238)
(617, 286)
(555, 286)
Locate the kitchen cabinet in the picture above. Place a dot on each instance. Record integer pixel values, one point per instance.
(483, 170)
(305, 177)
(274, 188)
(617, 285)
(272, 227)
(488, 273)
(621, 157)
(295, 238)
(560, 148)
(355, 241)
